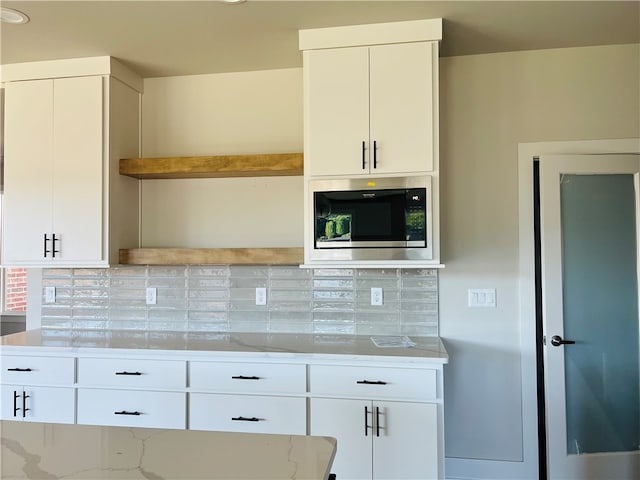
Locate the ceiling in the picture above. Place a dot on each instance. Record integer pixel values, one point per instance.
(164, 38)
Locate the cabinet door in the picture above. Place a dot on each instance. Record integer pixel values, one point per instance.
(78, 153)
(401, 84)
(37, 404)
(346, 421)
(28, 143)
(405, 441)
(337, 111)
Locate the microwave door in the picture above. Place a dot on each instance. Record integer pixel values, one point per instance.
(360, 219)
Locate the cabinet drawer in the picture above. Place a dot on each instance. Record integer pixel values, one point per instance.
(373, 382)
(37, 404)
(248, 413)
(132, 408)
(117, 372)
(248, 377)
(25, 370)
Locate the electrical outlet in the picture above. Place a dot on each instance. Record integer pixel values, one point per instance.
(152, 296)
(50, 294)
(261, 296)
(376, 296)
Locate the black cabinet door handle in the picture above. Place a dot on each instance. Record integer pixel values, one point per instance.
(124, 412)
(375, 154)
(45, 250)
(15, 403)
(19, 370)
(366, 421)
(369, 382)
(377, 421)
(363, 149)
(53, 245)
(128, 373)
(24, 404)
(245, 419)
(242, 377)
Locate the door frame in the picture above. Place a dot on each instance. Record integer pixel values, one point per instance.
(527, 153)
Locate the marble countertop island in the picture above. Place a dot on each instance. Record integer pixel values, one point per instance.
(298, 347)
(51, 451)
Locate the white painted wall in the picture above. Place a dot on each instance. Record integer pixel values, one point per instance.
(489, 104)
(231, 113)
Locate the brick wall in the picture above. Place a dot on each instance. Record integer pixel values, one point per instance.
(15, 290)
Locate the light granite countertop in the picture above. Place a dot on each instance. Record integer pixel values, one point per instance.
(52, 451)
(292, 347)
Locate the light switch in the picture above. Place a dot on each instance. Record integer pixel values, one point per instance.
(482, 297)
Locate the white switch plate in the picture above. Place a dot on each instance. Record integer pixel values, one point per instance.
(152, 296)
(376, 296)
(482, 297)
(50, 294)
(261, 296)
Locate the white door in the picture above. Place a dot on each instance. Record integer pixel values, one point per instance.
(28, 191)
(589, 247)
(405, 440)
(337, 111)
(350, 422)
(78, 152)
(401, 102)
(37, 404)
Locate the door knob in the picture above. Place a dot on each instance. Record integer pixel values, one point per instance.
(557, 340)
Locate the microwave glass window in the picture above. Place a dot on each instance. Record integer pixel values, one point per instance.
(364, 218)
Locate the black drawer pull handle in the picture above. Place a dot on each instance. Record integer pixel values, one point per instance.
(124, 412)
(242, 377)
(128, 373)
(369, 382)
(245, 419)
(19, 370)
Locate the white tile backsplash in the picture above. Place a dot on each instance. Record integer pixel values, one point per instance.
(217, 299)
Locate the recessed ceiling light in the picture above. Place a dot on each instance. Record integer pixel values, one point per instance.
(9, 15)
(233, 1)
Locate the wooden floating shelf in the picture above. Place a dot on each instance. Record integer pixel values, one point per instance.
(212, 256)
(221, 166)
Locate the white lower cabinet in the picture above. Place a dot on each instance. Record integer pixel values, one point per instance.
(386, 416)
(37, 404)
(248, 413)
(132, 408)
(37, 389)
(378, 439)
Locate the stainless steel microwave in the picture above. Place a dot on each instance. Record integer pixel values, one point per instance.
(372, 219)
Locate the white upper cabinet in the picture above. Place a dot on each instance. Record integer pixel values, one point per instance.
(371, 109)
(53, 171)
(337, 111)
(401, 107)
(62, 138)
